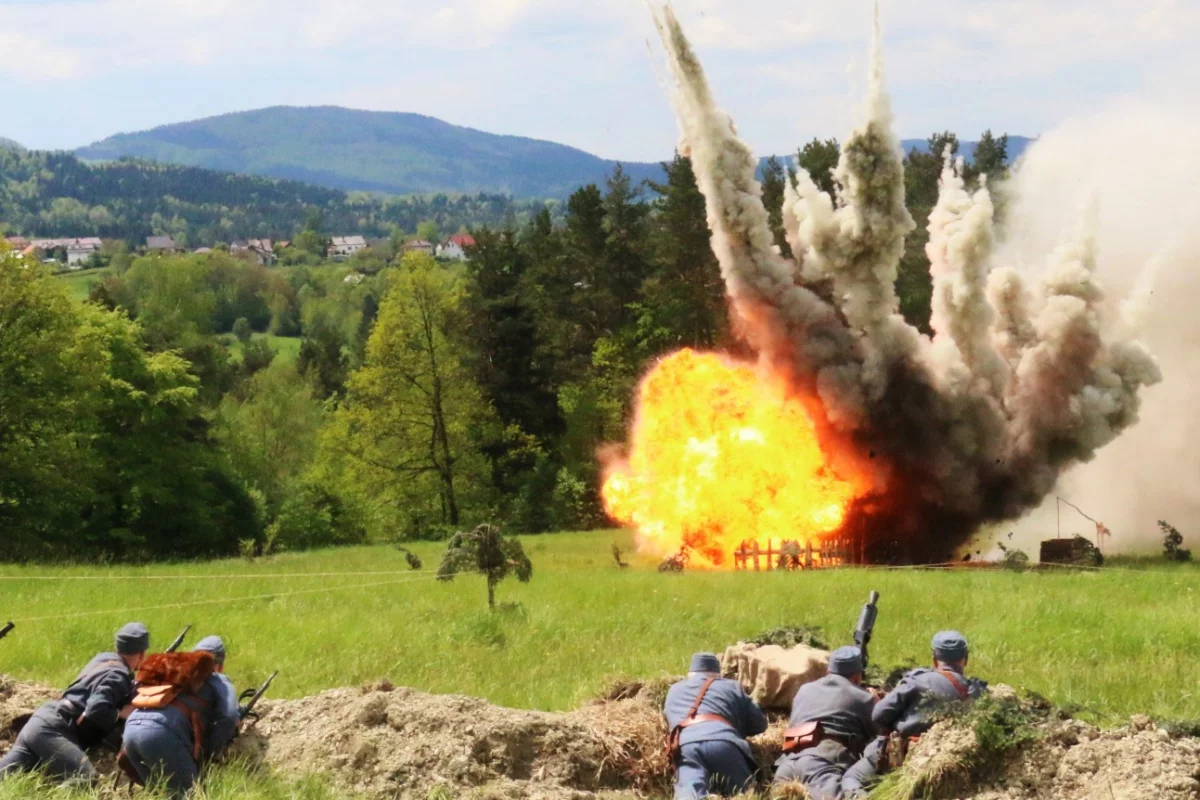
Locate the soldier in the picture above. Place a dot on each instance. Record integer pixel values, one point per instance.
(161, 743)
(90, 709)
(827, 758)
(710, 718)
(904, 710)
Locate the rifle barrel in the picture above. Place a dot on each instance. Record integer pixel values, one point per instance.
(175, 645)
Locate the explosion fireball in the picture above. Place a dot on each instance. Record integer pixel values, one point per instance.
(1020, 380)
(721, 454)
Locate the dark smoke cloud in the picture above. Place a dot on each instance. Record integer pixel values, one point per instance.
(1019, 380)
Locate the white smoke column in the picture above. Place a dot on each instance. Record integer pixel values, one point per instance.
(859, 247)
(798, 332)
(960, 245)
(1139, 159)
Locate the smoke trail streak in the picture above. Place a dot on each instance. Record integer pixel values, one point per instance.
(973, 425)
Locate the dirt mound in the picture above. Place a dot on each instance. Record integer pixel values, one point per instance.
(18, 698)
(1005, 752)
(400, 742)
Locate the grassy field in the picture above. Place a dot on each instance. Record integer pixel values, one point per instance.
(287, 348)
(81, 283)
(1116, 643)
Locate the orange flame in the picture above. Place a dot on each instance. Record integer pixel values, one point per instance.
(721, 453)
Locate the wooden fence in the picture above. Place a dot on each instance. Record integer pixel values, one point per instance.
(792, 555)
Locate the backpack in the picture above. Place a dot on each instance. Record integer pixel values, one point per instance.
(171, 680)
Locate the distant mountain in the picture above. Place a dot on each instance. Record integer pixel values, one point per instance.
(377, 151)
(367, 150)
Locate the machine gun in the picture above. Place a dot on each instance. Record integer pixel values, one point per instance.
(866, 625)
(7, 629)
(246, 711)
(175, 645)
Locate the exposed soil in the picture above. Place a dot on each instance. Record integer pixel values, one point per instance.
(390, 742)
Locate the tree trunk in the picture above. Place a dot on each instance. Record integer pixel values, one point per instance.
(491, 593)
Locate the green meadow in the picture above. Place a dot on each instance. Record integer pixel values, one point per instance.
(1109, 643)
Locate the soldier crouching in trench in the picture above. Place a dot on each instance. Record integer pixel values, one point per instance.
(187, 712)
(709, 718)
(905, 711)
(89, 710)
(829, 731)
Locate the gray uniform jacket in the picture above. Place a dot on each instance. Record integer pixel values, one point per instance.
(103, 688)
(223, 726)
(724, 698)
(218, 722)
(843, 709)
(905, 710)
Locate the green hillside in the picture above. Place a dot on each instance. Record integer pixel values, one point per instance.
(367, 150)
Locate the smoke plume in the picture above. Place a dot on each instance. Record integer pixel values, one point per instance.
(1026, 374)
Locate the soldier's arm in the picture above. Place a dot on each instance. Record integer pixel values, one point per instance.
(895, 705)
(754, 721)
(112, 692)
(225, 720)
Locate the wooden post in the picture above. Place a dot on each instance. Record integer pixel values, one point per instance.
(808, 555)
(770, 556)
(756, 551)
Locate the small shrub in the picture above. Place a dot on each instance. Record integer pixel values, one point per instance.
(792, 635)
(1173, 543)
(487, 551)
(1014, 560)
(675, 563)
(315, 517)
(241, 330)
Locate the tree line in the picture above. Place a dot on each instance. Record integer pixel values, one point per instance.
(54, 194)
(425, 398)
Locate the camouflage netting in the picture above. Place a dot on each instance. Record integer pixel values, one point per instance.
(385, 742)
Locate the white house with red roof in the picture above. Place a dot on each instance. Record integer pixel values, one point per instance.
(455, 248)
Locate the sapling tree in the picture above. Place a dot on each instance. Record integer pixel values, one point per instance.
(487, 551)
(1173, 543)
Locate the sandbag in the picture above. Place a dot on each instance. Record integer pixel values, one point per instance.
(771, 674)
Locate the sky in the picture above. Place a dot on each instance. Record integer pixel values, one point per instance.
(583, 72)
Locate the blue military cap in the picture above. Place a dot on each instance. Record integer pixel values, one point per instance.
(133, 638)
(846, 661)
(214, 645)
(949, 646)
(705, 662)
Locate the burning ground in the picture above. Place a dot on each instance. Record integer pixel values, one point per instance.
(850, 421)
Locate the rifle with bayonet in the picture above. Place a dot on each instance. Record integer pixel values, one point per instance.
(866, 626)
(175, 645)
(7, 629)
(246, 711)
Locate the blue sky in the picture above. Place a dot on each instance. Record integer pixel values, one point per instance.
(579, 71)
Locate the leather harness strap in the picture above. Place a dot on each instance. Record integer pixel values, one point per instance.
(956, 681)
(704, 718)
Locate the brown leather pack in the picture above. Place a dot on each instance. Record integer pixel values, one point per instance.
(171, 680)
(692, 718)
(803, 736)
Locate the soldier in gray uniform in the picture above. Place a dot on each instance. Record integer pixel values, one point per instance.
(160, 743)
(834, 766)
(90, 709)
(905, 709)
(714, 755)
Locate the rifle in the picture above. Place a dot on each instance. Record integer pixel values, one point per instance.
(7, 629)
(866, 625)
(254, 695)
(175, 645)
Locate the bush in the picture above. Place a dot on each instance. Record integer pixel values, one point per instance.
(241, 329)
(315, 517)
(1173, 543)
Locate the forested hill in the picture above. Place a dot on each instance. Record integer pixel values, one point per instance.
(56, 194)
(391, 152)
(370, 151)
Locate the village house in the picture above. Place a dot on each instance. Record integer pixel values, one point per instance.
(81, 250)
(342, 247)
(260, 251)
(161, 244)
(455, 248)
(419, 246)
